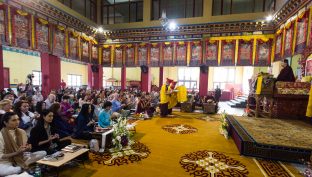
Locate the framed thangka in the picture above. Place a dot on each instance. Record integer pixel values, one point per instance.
(155, 54)
(21, 29)
(308, 69)
(302, 32)
(59, 41)
(73, 45)
(95, 58)
(263, 52)
(118, 56)
(196, 53)
(289, 33)
(278, 46)
(106, 56)
(85, 50)
(167, 53)
(228, 53)
(42, 35)
(245, 49)
(3, 23)
(142, 54)
(130, 59)
(181, 53)
(211, 53)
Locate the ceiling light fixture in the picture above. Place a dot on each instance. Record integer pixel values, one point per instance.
(269, 18)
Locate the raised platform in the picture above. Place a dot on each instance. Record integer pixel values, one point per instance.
(276, 139)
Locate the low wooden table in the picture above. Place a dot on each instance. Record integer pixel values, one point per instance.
(68, 156)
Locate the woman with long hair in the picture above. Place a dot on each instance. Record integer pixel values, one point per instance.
(85, 123)
(13, 145)
(63, 128)
(41, 105)
(44, 137)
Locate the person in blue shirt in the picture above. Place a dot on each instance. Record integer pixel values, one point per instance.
(118, 107)
(105, 114)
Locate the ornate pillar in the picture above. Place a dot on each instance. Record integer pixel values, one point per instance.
(146, 79)
(123, 78)
(1, 69)
(51, 73)
(161, 76)
(203, 82)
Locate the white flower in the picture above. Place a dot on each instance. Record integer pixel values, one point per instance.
(118, 138)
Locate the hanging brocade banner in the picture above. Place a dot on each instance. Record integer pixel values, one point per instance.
(167, 54)
(21, 26)
(3, 24)
(227, 53)
(85, 51)
(142, 54)
(155, 54)
(59, 42)
(196, 53)
(95, 58)
(263, 52)
(278, 46)
(73, 45)
(211, 53)
(106, 56)
(118, 57)
(245, 49)
(289, 33)
(302, 32)
(42, 35)
(181, 53)
(129, 51)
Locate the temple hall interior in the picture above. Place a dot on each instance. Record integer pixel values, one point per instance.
(156, 88)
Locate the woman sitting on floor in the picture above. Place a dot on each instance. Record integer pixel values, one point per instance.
(13, 144)
(104, 117)
(84, 123)
(63, 128)
(67, 110)
(5, 106)
(44, 137)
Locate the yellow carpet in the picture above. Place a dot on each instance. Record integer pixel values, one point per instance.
(167, 149)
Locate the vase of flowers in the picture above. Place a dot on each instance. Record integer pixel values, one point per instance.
(121, 134)
(224, 126)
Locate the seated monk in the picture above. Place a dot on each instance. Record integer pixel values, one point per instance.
(286, 74)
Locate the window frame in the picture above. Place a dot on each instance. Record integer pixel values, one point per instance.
(40, 77)
(94, 2)
(76, 84)
(227, 80)
(189, 79)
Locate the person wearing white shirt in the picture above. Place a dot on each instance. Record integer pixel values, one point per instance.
(50, 100)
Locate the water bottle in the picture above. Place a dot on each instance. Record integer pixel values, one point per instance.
(37, 171)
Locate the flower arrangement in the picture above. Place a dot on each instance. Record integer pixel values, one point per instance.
(121, 135)
(224, 126)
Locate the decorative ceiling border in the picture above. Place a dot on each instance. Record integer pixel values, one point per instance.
(42, 8)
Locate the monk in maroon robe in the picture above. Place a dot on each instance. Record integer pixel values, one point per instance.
(286, 74)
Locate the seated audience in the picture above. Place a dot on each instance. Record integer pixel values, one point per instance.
(66, 109)
(43, 136)
(50, 100)
(5, 106)
(118, 107)
(13, 145)
(104, 117)
(27, 118)
(84, 123)
(41, 105)
(62, 127)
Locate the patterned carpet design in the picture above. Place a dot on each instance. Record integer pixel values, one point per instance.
(179, 129)
(135, 153)
(271, 168)
(278, 131)
(212, 164)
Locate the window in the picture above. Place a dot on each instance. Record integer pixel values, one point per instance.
(223, 76)
(188, 76)
(86, 8)
(225, 7)
(177, 8)
(74, 80)
(121, 11)
(37, 80)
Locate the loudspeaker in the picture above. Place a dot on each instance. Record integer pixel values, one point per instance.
(95, 68)
(203, 69)
(144, 68)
